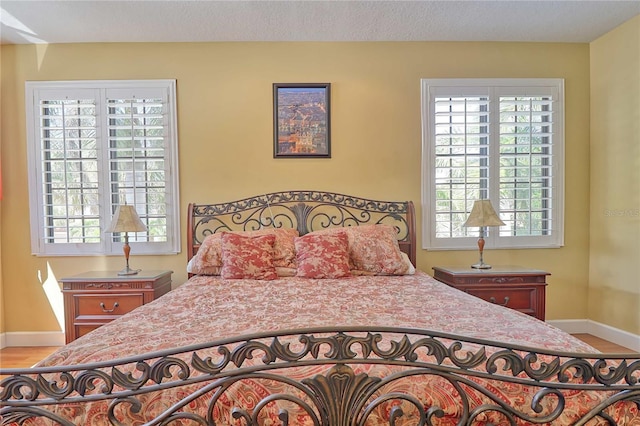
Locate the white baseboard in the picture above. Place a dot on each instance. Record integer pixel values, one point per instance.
(603, 331)
(571, 326)
(35, 338)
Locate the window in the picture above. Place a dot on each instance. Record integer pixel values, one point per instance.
(93, 145)
(496, 139)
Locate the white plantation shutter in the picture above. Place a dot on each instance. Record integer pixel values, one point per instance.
(461, 160)
(496, 139)
(526, 165)
(137, 163)
(70, 205)
(95, 145)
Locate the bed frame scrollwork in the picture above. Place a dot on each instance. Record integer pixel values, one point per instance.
(305, 211)
(338, 397)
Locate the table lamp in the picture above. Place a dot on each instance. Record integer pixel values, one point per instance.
(126, 220)
(482, 215)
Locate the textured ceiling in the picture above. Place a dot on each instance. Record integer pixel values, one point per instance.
(334, 20)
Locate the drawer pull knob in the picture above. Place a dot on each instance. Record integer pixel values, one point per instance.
(506, 300)
(104, 309)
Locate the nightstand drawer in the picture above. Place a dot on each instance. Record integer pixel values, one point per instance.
(106, 304)
(520, 299)
(83, 329)
(524, 279)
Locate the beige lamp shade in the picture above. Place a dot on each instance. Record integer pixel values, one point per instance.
(126, 219)
(483, 214)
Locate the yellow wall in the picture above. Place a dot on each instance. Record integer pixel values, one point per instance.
(614, 269)
(2, 310)
(2, 321)
(225, 130)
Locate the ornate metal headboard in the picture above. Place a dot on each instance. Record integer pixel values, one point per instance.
(304, 210)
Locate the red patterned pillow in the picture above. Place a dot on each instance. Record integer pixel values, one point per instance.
(374, 249)
(208, 259)
(322, 255)
(248, 256)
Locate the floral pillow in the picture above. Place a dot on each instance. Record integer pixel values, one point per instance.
(208, 259)
(323, 255)
(248, 256)
(374, 249)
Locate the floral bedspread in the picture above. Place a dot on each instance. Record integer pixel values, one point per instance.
(207, 308)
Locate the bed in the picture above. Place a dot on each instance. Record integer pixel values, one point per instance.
(304, 308)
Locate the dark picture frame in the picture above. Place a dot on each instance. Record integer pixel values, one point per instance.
(301, 120)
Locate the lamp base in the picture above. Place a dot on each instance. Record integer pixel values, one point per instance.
(481, 266)
(129, 271)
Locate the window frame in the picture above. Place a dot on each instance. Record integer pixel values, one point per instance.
(493, 89)
(109, 244)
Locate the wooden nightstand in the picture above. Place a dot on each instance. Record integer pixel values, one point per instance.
(515, 287)
(95, 298)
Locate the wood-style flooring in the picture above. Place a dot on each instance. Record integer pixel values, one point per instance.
(19, 357)
(603, 345)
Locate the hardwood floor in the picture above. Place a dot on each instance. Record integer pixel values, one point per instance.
(603, 345)
(19, 357)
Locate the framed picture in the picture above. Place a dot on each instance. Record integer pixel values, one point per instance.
(301, 120)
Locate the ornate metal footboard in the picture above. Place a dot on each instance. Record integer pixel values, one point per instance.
(305, 211)
(360, 381)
